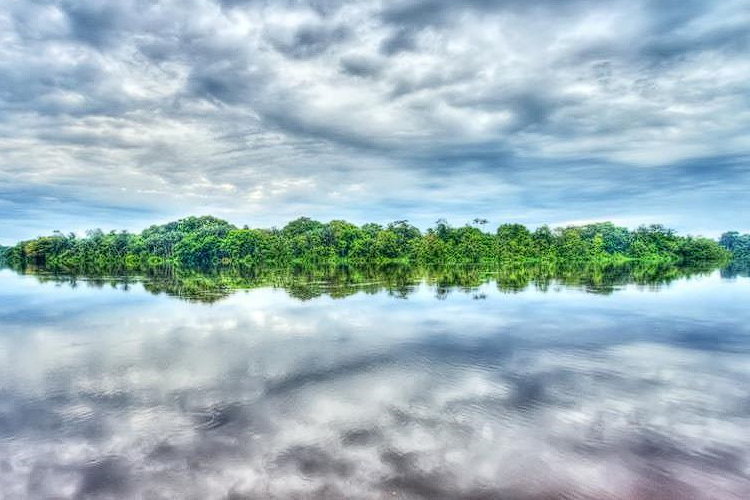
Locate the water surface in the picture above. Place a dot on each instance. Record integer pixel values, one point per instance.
(414, 389)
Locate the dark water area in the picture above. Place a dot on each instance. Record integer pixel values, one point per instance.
(407, 384)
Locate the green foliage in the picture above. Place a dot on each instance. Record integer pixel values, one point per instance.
(161, 240)
(514, 242)
(4, 255)
(699, 250)
(615, 239)
(208, 241)
(248, 244)
(199, 249)
(738, 244)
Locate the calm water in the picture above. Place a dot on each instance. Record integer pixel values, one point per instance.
(412, 391)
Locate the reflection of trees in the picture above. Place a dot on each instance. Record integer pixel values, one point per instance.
(399, 280)
(738, 267)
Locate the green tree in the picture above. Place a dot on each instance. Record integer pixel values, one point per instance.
(514, 241)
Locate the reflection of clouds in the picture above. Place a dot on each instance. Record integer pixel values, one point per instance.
(262, 396)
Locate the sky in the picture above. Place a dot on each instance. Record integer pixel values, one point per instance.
(120, 114)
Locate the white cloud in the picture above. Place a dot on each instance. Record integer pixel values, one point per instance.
(102, 96)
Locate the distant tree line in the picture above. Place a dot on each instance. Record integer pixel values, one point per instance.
(738, 244)
(207, 241)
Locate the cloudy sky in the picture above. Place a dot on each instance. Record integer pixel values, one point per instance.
(123, 113)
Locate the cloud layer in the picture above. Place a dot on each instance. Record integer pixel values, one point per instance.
(121, 113)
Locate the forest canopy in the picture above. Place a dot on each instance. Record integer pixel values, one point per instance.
(738, 244)
(208, 241)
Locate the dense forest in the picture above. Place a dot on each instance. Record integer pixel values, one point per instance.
(208, 241)
(738, 244)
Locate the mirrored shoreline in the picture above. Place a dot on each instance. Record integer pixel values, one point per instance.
(306, 282)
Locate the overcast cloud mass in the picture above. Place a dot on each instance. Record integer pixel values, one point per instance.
(123, 113)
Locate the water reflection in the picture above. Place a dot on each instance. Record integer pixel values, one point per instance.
(736, 268)
(545, 393)
(305, 282)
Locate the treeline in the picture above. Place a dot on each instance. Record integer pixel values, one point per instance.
(738, 244)
(207, 241)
